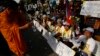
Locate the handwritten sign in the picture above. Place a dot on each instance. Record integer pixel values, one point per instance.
(64, 50)
(91, 8)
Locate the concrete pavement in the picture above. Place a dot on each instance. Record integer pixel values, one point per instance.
(38, 46)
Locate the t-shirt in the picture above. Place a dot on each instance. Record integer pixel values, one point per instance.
(90, 45)
(91, 42)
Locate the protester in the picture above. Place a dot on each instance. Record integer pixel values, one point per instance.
(58, 27)
(90, 43)
(11, 22)
(86, 42)
(50, 25)
(67, 31)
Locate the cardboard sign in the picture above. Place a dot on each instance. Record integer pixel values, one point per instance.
(64, 50)
(91, 8)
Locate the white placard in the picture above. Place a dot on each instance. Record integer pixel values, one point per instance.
(53, 43)
(63, 50)
(91, 8)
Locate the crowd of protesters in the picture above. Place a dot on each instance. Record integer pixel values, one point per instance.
(51, 14)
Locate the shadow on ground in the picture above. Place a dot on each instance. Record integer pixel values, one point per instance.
(37, 45)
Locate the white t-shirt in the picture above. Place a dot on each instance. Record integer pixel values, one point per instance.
(91, 42)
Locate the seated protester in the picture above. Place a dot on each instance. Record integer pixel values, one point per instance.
(59, 20)
(44, 19)
(66, 31)
(49, 25)
(36, 14)
(66, 34)
(76, 32)
(90, 43)
(58, 31)
(79, 42)
(58, 27)
(53, 18)
(61, 34)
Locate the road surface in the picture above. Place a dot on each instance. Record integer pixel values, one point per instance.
(37, 45)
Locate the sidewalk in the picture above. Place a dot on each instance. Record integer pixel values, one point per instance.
(38, 46)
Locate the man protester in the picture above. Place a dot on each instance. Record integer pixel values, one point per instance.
(87, 43)
(90, 43)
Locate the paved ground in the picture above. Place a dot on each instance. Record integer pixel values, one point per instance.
(36, 43)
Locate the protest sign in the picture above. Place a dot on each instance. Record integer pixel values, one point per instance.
(64, 50)
(91, 8)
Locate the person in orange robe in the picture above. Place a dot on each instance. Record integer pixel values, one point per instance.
(11, 21)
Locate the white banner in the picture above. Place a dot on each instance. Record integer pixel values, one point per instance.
(58, 47)
(91, 8)
(64, 50)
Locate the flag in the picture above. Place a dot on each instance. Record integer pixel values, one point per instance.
(68, 12)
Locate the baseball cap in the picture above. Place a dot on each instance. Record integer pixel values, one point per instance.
(89, 29)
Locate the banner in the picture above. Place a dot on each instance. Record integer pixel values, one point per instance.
(63, 50)
(91, 8)
(58, 47)
(68, 12)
